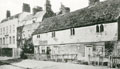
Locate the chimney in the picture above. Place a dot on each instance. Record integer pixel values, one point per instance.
(26, 7)
(64, 9)
(93, 2)
(8, 14)
(37, 9)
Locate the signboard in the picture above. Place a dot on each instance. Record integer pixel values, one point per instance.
(45, 42)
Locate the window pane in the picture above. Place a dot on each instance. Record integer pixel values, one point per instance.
(97, 28)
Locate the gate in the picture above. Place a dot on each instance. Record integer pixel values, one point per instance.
(114, 62)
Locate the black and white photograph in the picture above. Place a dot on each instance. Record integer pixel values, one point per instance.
(59, 34)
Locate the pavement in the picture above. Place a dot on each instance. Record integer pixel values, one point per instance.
(35, 64)
(5, 58)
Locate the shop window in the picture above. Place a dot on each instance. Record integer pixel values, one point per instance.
(43, 51)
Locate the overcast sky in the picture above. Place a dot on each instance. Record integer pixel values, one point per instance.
(15, 6)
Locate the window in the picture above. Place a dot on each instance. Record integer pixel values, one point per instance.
(43, 51)
(3, 30)
(3, 41)
(13, 39)
(53, 34)
(0, 31)
(101, 28)
(10, 28)
(7, 30)
(97, 28)
(0, 41)
(72, 31)
(10, 40)
(13, 28)
(38, 36)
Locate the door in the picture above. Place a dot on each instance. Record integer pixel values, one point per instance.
(88, 52)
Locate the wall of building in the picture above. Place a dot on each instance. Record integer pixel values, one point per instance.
(82, 34)
(8, 30)
(28, 30)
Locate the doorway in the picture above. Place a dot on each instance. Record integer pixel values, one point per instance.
(88, 52)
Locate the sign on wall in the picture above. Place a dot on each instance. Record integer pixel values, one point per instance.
(45, 42)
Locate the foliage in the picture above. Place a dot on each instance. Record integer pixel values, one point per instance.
(28, 46)
(109, 46)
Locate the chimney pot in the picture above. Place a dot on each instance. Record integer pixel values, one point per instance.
(8, 14)
(26, 7)
(37, 9)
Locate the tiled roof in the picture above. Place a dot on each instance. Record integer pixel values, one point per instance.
(39, 15)
(103, 12)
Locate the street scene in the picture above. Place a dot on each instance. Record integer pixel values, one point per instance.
(62, 34)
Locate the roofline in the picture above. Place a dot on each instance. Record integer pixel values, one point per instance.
(80, 26)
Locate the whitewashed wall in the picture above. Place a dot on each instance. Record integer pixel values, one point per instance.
(82, 34)
(12, 33)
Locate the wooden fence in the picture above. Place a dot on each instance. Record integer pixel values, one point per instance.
(114, 62)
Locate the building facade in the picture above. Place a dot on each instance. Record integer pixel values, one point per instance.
(81, 35)
(8, 34)
(31, 22)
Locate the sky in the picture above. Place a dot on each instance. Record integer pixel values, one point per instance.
(15, 6)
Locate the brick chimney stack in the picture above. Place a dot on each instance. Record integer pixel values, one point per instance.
(26, 7)
(37, 9)
(8, 14)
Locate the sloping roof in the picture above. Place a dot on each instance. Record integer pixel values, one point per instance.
(37, 15)
(30, 26)
(40, 15)
(11, 17)
(103, 12)
(28, 17)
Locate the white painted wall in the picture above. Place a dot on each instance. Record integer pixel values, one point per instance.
(12, 33)
(29, 29)
(82, 34)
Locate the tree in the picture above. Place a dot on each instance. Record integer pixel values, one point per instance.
(28, 46)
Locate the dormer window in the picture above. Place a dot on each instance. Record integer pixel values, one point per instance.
(97, 28)
(72, 30)
(100, 28)
(53, 34)
(38, 36)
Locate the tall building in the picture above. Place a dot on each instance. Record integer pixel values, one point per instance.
(30, 23)
(8, 34)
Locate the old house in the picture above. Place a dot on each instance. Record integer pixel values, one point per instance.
(8, 34)
(83, 34)
(30, 23)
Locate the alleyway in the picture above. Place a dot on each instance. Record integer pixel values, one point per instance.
(34, 64)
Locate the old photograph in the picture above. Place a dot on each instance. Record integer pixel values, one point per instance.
(59, 34)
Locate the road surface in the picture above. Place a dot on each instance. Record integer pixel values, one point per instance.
(34, 64)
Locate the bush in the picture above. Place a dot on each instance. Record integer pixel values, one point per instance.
(23, 56)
